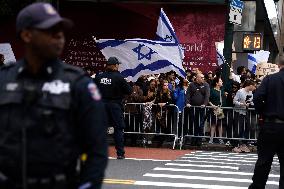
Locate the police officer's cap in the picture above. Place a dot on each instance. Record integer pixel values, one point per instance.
(113, 60)
(40, 16)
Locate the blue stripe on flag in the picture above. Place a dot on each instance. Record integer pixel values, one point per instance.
(221, 57)
(153, 67)
(110, 43)
(253, 69)
(250, 57)
(164, 20)
(169, 27)
(115, 43)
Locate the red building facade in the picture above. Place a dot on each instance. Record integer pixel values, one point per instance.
(198, 27)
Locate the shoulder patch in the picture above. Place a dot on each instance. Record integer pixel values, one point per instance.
(94, 91)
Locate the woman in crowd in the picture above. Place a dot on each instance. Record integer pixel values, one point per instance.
(217, 99)
(147, 109)
(179, 95)
(163, 97)
(179, 98)
(149, 99)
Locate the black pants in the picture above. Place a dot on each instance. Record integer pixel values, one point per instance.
(197, 119)
(194, 123)
(228, 122)
(116, 120)
(270, 142)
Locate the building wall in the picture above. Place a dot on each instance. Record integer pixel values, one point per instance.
(198, 27)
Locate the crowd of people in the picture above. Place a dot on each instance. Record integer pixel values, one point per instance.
(201, 96)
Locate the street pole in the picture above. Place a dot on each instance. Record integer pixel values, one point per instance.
(228, 42)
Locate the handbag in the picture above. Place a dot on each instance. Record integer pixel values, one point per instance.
(218, 111)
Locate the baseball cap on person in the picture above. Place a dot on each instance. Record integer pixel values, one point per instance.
(40, 16)
(113, 60)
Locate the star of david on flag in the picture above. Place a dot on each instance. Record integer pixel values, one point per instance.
(141, 54)
(143, 57)
(165, 31)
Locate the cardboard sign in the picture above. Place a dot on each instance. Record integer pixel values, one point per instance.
(263, 69)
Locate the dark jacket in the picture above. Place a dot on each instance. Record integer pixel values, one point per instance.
(61, 111)
(269, 97)
(198, 94)
(113, 86)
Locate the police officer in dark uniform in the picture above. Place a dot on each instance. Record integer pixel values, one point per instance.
(269, 102)
(114, 88)
(50, 112)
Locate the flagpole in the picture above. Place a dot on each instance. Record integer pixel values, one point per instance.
(228, 42)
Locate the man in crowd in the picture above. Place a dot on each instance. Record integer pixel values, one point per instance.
(114, 88)
(50, 112)
(171, 79)
(241, 70)
(269, 102)
(197, 94)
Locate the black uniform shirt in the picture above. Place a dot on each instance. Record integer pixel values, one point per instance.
(269, 97)
(63, 116)
(113, 86)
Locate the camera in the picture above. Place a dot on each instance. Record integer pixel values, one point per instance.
(248, 98)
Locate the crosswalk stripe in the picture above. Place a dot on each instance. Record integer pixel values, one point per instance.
(210, 158)
(185, 185)
(230, 157)
(204, 178)
(200, 168)
(209, 171)
(248, 154)
(204, 166)
(219, 159)
(224, 163)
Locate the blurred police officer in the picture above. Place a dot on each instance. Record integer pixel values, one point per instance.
(113, 88)
(269, 102)
(50, 112)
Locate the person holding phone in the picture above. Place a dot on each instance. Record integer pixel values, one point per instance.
(242, 100)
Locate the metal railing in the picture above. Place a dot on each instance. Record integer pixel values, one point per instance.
(237, 124)
(150, 119)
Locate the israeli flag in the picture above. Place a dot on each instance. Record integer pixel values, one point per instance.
(252, 62)
(143, 57)
(165, 31)
(219, 50)
(220, 58)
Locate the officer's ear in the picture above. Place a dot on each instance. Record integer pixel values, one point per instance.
(26, 36)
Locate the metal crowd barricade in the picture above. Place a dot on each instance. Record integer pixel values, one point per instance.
(238, 123)
(134, 115)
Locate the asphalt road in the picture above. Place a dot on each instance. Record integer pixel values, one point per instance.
(199, 169)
